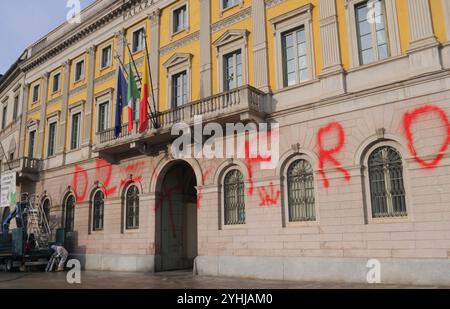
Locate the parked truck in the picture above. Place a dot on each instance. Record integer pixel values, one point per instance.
(27, 245)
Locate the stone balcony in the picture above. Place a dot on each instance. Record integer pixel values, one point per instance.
(26, 168)
(242, 104)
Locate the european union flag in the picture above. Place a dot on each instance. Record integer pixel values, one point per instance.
(121, 101)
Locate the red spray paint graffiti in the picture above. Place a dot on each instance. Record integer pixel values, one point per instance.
(408, 120)
(249, 161)
(103, 174)
(200, 187)
(80, 172)
(268, 198)
(132, 173)
(328, 154)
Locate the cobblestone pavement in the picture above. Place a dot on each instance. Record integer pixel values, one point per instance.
(167, 280)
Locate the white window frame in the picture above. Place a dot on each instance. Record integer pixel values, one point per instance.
(176, 64)
(75, 110)
(109, 62)
(104, 97)
(391, 28)
(32, 126)
(83, 71)
(231, 41)
(173, 32)
(53, 82)
(223, 9)
(367, 196)
(38, 85)
(143, 42)
(301, 17)
(52, 119)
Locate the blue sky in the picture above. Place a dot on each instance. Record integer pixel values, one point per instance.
(22, 22)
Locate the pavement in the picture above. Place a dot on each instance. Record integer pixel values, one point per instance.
(167, 280)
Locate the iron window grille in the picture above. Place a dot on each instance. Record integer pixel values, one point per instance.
(70, 213)
(234, 203)
(132, 207)
(99, 205)
(387, 191)
(301, 196)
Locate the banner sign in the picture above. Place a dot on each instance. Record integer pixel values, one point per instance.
(8, 190)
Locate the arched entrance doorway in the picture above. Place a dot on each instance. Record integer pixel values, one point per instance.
(176, 218)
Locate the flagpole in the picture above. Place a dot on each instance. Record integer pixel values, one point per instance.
(122, 65)
(150, 75)
(139, 76)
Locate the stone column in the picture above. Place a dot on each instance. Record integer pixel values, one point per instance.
(65, 104)
(420, 24)
(23, 121)
(89, 108)
(40, 141)
(332, 77)
(261, 79)
(154, 52)
(205, 49)
(446, 8)
(329, 36)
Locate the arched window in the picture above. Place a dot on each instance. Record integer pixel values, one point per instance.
(132, 207)
(46, 209)
(70, 213)
(234, 204)
(300, 191)
(98, 208)
(387, 192)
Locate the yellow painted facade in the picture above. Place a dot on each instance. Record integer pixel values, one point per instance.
(78, 92)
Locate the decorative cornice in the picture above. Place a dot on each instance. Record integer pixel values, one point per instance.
(271, 3)
(179, 43)
(77, 90)
(237, 17)
(104, 78)
(54, 100)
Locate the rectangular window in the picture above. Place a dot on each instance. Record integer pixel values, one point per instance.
(372, 37)
(16, 107)
(4, 114)
(35, 93)
(179, 89)
(51, 139)
(229, 3)
(102, 116)
(56, 82)
(138, 40)
(106, 57)
(295, 60)
(31, 142)
(79, 71)
(232, 70)
(179, 19)
(75, 133)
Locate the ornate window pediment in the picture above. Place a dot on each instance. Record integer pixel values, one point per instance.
(231, 36)
(177, 58)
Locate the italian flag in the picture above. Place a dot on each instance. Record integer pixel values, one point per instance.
(145, 93)
(132, 97)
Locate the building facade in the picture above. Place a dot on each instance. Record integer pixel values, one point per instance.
(359, 89)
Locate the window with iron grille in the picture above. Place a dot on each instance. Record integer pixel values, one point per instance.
(300, 188)
(132, 207)
(234, 204)
(387, 191)
(70, 213)
(98, 209)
